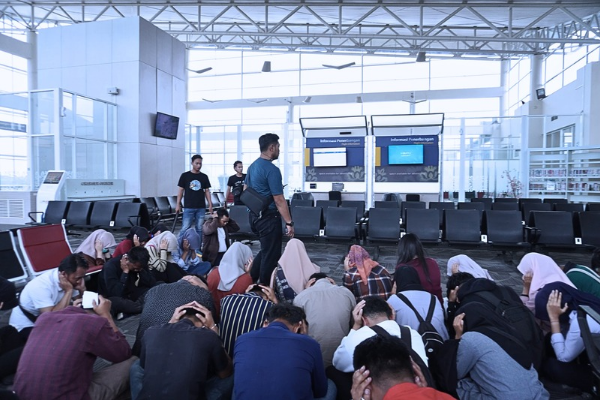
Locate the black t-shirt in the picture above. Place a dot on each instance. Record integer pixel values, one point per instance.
(178, 359)
(194, 186)
(237, 185)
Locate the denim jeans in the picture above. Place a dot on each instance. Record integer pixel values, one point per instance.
(189, 215)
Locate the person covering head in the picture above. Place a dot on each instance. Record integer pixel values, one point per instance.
(407, 278)
(358, 257)
(481, 318)
(233, 265)
(543, 270)
(296, 265)
(158, 229)
(572, 297)
(464, 263)
(168, 236)
(88, 246)
(192, 237)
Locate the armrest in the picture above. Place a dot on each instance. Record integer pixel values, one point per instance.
(35, 212)
(533, 234)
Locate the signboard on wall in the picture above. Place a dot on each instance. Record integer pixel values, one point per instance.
(407, 158)
(334, 159)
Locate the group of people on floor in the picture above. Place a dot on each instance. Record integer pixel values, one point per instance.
(212, 332)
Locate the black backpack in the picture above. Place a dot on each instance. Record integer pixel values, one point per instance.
(431, 338)
(520, 318)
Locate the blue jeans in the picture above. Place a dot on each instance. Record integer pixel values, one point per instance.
(189, 215)
(214, 388)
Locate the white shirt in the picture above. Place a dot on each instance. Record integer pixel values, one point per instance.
(222, 244)
(420, 300)
(344, 355)
(43, 291)
(568, 347)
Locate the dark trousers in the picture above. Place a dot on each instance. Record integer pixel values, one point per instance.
(342, 381)
(270, 234)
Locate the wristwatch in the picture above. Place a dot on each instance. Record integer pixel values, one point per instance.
(291, 223)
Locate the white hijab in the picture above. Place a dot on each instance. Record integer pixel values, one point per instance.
(155, 241)
(466, 264)
(88, 246)
(232, 265)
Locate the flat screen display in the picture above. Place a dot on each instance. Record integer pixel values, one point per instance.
(329, 157)
(405, 154)
(166, 126)
(53, 178)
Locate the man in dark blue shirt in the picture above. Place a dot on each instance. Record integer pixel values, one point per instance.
(265, 178)
(280, 361)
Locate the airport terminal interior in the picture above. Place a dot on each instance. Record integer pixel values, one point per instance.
(427, 117)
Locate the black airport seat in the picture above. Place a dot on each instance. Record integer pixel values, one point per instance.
(588, 223)
(335, 195)
(341, 225)
(528, 200)
(325, 204)
(387, 204)
(410, 204)
(505, 229)
(359, 205)
(461, 227)
(553, 229)
(240, 215)
(441, 206)
(505, 206)
(487, 202)
(425, 223)
(131, 214)
(383, 228)
(592, 207)
(529, 207)
(11, 265)
(166, 213)
(506, 200)
(413, 197)
(468, 205)
(571, 207)
(307, 222)
(556, 201)
(78, 215)
(103, 214)
(55, 213)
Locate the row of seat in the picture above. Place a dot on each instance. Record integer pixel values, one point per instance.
(27, 252)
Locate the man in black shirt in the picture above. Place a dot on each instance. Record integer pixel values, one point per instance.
(185, 359)
(194, 187)
(235, 184)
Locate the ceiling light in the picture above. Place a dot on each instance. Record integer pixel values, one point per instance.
(307, 99)
(203, 70)
(359, 99)
(266, 66)
(421, 57)
(339, 66)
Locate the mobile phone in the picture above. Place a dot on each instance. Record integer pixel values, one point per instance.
(89, 298)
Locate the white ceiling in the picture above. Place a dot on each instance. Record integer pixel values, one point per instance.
(508, 28)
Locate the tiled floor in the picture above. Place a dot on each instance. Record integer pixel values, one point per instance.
(330, 258)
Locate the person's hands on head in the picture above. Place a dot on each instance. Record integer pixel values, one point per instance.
(458, 325)
(136, 240)
(164, 244)
(248, 265)
(553, 306)
(309, 283)
(453, 295)
(102, 309)
(80, 286)
(125, 264)
(527, 281)
(63, 282)
(214, 214)
(361, 381)
(180, 312)
(455, 268)
(346, 263)
(98, 245)
(186, 245)
(419, 376)
(270, 293)
(357, 315)
(204, 315)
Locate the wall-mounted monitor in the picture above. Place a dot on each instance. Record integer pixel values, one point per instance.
(166, 126)
(405, 154)
(329, 157)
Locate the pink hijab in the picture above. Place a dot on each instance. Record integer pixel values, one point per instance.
(544, 271)
(296, 265)
(360, 258)
(88, 246)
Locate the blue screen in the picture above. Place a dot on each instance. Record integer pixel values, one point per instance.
(405, 154)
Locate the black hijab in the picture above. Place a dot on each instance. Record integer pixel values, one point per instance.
(481, 318)
(407, 278)
(571, 296)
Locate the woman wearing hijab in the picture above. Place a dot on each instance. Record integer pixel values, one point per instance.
(95, 248)
(137, 236)
(463, 263)
(538, 270)
(292, 272)
(365, 277)
(411, 253)
(492, 361)
(186, 255)
(409, 285)
(558, 303)
(161, 264)
(232, 275)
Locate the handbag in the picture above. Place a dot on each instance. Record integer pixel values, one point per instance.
(256, 202)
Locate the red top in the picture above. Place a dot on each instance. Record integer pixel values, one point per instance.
(58, 360)
(239, 287)
(412, 391)
(435, 286)
(123, 248)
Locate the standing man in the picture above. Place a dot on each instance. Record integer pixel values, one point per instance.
(235, 184)
(265, 178)
(194, 186)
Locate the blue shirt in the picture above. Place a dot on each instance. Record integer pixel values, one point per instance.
(265, 178)
(275, 363)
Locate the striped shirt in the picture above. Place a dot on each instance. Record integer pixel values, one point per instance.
(241, 313)
(585, 279)
(379, 283)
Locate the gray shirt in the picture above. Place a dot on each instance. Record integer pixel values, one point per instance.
(328, 311)
(486, 371)
(420, 300)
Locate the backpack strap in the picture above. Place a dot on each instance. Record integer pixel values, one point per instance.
(431, 309)
(489, 297)
(404, 334)
(409, 304)
(380, 331)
